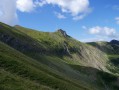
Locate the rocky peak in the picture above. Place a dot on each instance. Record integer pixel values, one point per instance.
(62, 32)
(17, 25)
(114, 42)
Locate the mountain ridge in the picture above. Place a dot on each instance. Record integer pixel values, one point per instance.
(54, 61)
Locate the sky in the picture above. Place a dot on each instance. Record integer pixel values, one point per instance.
(84, 20)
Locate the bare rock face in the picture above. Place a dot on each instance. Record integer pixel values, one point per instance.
(18, 44)
(66, 49)
(62, 32)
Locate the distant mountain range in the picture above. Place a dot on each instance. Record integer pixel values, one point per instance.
(35, 60)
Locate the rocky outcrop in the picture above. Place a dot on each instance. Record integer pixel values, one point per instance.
(62, 32)
(20, 45)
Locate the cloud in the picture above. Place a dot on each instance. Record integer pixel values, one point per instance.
(98, 33)
(83, 15)
(117, 20)
(84, 27)
(8, 11)
(103, 31)
(25, 5)
(59, 15)
(77, 8)
(80, 17)
(116, 7)
(40, 3)
(93, 39)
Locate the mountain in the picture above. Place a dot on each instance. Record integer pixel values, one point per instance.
(115, 42)
(35, 60)
(111, 47)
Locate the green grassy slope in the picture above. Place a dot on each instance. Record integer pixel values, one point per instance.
(13, 70)
(113, 64)
(112, 50)
(106, 47)
(71, 50)
(33, 60)
(28, 71)
(23, 72)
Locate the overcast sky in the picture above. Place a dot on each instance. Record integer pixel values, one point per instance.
(85, 20)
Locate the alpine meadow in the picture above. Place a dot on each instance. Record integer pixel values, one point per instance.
(59, 45)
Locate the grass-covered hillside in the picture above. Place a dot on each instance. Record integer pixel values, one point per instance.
(72, 51)
(111, 47)
(112, 50)
(34, 60)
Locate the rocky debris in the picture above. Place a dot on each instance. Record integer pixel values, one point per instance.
(66, 49)
(17, 44)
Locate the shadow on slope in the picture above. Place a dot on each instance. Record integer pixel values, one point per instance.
(105, 80)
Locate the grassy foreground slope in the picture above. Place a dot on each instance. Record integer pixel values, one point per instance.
(13, 70)
(21, 72)
(33, 60)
